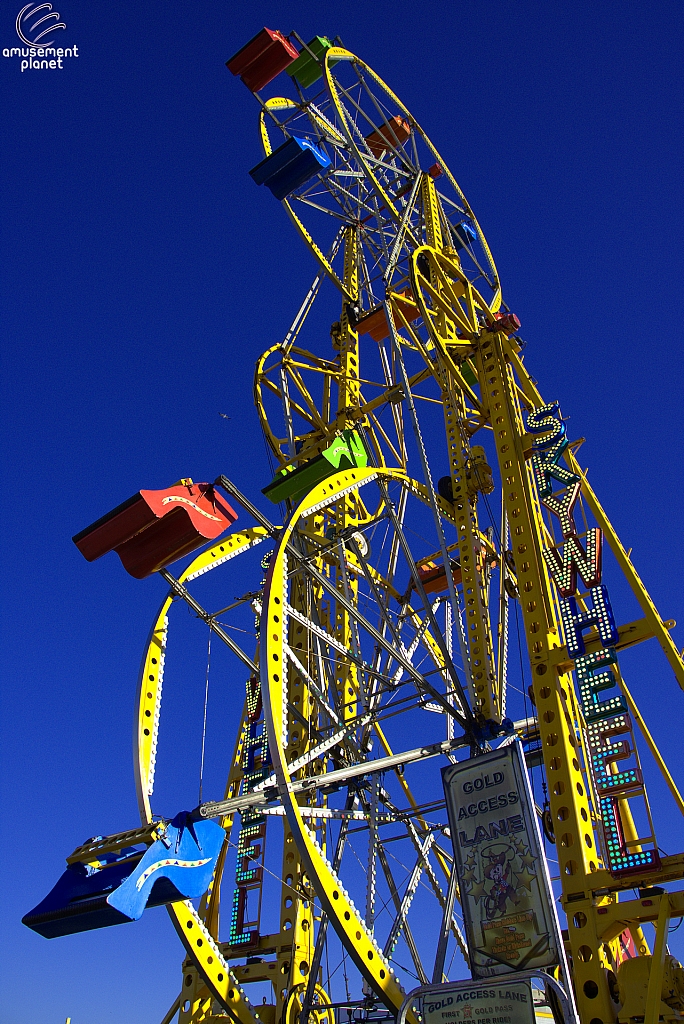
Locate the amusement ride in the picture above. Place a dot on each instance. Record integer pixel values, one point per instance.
(427, 593)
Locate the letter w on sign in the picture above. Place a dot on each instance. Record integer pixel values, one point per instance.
(575, 561)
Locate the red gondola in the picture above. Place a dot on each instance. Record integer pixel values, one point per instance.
(262, 59)
(154, 528)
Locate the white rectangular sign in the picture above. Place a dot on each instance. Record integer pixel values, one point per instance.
(507, 1002)
(506, 897)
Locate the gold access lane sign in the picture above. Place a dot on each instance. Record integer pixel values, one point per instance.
(506, 897)
(498, 1003)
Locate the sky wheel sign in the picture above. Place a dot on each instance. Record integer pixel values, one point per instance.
(508, 910)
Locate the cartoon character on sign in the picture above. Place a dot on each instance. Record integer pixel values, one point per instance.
(498, 871)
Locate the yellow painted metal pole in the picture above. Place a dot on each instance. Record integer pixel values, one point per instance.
(481, 668)
(578, 857)
(655, 978)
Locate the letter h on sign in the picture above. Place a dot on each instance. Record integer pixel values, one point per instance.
(599, 615)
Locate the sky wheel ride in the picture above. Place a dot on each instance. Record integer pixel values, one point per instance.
(427, 507)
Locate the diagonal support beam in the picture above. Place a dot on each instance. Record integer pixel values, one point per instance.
(407, 898)
(207, 617)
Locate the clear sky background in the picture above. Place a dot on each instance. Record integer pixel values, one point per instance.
(143, 274)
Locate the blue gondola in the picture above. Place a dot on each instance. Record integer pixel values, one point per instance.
(289, 166)
(117, 887)
(462, 235)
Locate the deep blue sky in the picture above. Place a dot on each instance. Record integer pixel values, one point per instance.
(143, 274)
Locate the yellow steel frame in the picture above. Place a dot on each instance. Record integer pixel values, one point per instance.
(451, 318)
(334, 899)
(454, 314)
(337, 54)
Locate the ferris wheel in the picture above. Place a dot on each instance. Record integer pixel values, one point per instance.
(366, 619)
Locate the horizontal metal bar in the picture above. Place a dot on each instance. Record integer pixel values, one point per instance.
(380, 764)
(218, 808)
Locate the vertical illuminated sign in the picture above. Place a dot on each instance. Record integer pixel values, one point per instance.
(605, 713)
(255, 763)
(506, 897)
